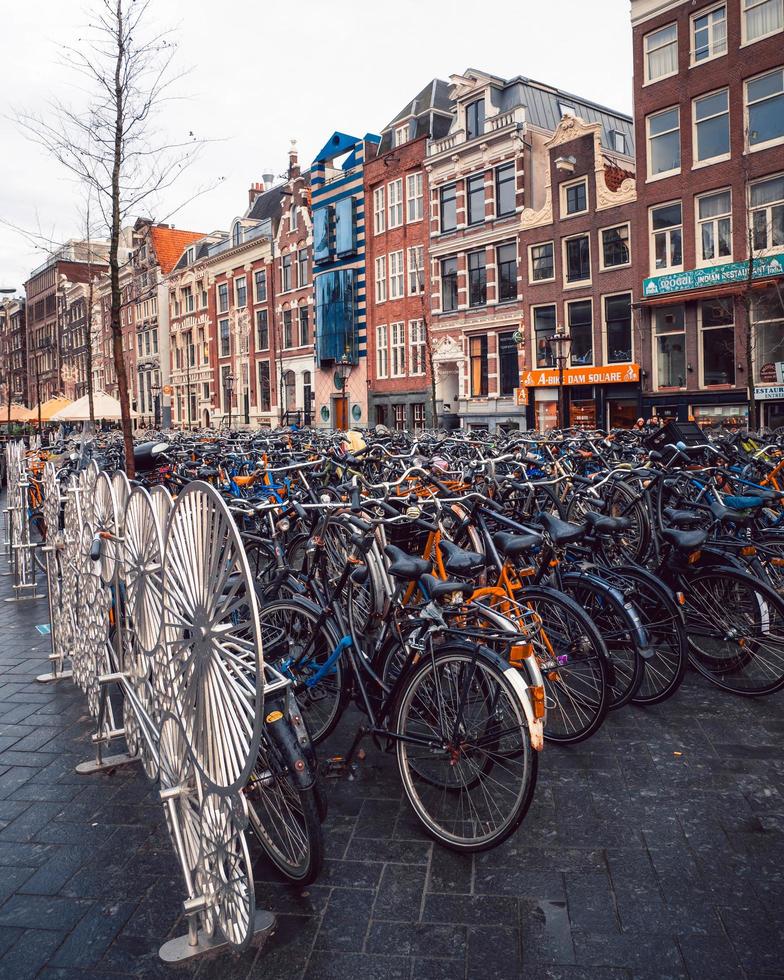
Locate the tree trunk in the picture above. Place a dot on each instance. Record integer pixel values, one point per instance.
(748, 329)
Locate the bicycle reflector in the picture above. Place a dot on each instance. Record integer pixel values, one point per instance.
(537, 698)
(748, 549)
(694, 557)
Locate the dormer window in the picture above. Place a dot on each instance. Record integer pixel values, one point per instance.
(401, 135)
(189, 256)
(236, 234)
(617, 141)
(475, 119)
(566, 110)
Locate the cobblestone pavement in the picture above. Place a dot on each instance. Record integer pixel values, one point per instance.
(654, 850)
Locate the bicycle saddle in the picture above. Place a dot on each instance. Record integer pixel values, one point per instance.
(459, 561)
(405, 566)
(514, 545)
(684, 540)
(560, 532)
(602, 524)
(743, 502)
(436, 589)
(681, 518)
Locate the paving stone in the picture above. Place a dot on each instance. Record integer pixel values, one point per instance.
(43, 912)
(546, 932)
(30, 953)
(640, 953)
(399, 894)
(493, 952)
(95, 932)
(450, 871)
(470, 909)
(417, 939)
(344, 923)
(323, 965)
(286, 953)
(591, 902)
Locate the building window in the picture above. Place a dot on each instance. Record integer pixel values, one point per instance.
(577, 259)
(262, 330)
(712, 127)
(475, 191)
(302, 267)
(709, 34)
(615, 246)
(401, 135)
(667, 234)
(670, 347)
(416, 269)
(542, 262)
(400, 417)
(223, 297)
(766, 205)
(285, 273)
(345, 227)
(544, 326)
(579, 316)
(762, 18)
(449, 284)
(265, 400)
(767, 317)
(714, 228)
(419, 414)
(717, 342)
(287, 330)
(379, 211)
(396, 275)
(397, 333)
(477, 279)
(240, 292)
(566, 109)
(508, 364)
(414, 196)
(382, 354)
(664, 142)
(617, 141)
(477, 356)
(293, 214)
(506, 262)
(395, 202)
(304, 326)
(260, 285)
(505, 190)
(475, 119)
(322, 232)
(448, 208)
(574, 197)
(618, 328)
(381, 278)
(661, 53)
(765, 109)
(225, 341)
(416, 335)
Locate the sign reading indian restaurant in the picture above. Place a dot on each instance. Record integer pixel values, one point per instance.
(731, 273)
(609, 374)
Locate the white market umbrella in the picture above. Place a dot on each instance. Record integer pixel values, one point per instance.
(105, 408)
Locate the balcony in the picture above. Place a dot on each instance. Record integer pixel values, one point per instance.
(507, 120)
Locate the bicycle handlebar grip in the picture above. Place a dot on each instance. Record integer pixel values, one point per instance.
(95, 550)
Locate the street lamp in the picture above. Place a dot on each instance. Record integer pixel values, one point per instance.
(229, 387)
(560, 343)
(156, 401)
(343, 370)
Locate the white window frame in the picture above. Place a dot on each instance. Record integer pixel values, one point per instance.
(621, 265)
(395, 202)
(397, 349)
(769, 249)
(667, 232)
(602, 298)
(416, 340)
(401, 135)
(397, 275)
(709, 161)
(565, 187)
(382, 351)
(664, 173)
(416, 270)
(700, 261)
(293, 216)
(655, 352)
(218, 309)
(776, 141)
(381, 278)
(645, 53)
(415, 197)
(712, 53)
(744, 9)
(379, 210)
(701, 331)
(578, 283)
(531, 280)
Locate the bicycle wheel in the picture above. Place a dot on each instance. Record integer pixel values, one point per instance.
(465, 756)
(284, 818)
(524, 501)
(661, 616)
(287, 627)
(575, 671)
(735, 625)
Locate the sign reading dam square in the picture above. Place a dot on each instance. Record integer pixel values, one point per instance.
(713, 275)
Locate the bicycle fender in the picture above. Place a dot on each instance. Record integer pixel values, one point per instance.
(638, 632)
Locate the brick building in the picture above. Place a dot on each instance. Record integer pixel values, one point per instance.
(339, 277)
(709, 119)
(397, 262)
(13, 352)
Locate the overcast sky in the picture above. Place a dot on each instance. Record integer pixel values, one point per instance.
(264, 73)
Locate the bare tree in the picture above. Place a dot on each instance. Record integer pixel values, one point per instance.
(111, 145)
(424, 301)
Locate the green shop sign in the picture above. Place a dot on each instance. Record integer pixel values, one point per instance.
(713, 275)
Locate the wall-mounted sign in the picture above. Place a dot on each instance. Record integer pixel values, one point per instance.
(731, 273)
(609, 374)
(772, 372)
(167, 389)
(768, 392)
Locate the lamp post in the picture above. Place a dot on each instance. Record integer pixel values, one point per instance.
(560, 343)
(156, 401)
(230, 379)
(344, 366)
(44, 346)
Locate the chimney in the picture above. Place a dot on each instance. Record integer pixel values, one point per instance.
(255, 190)
(294, 170)
(269, 180)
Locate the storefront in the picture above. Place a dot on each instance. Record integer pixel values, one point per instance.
(770, 404)
(594, 398)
